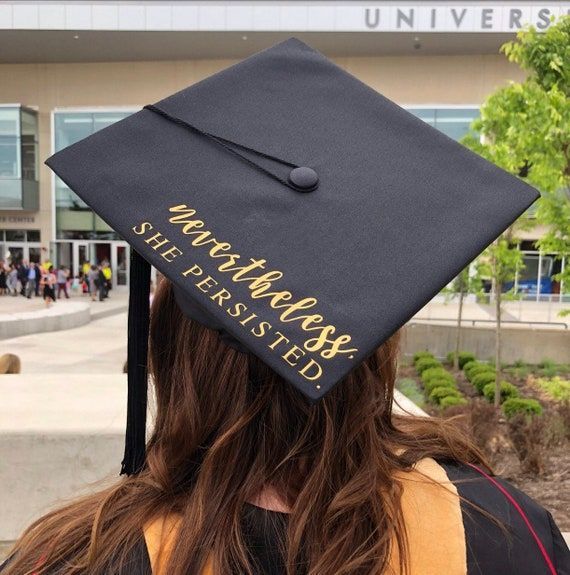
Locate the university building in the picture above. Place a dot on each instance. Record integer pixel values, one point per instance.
(68, 69)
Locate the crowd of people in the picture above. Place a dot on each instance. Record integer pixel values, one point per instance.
(31, 279)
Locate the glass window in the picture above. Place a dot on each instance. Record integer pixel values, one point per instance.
(454, 122)
(33, 235)
(74, 218)
(9, 143)
(29, 144)
(15, 235)
(18, 158)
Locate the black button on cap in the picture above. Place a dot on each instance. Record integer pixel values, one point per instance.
(304, 179)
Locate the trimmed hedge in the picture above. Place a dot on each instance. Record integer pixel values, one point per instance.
(433, 383)
(477, 369)
(516, 405)
(482, 379)
(440, 392)
(464, 357)
(418, 355)
(425, 363)
(436, 373)
(451, 400)
(466, 367)
(508, 390)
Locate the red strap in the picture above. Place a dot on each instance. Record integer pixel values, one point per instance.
(515, 504)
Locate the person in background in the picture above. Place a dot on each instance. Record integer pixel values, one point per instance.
(84, 276)
(62, 277)
(13, 280)
(23, 276)
(92, 281)
(3, 279)
(101, 283)
(32, 279)
(39, 272)
(107, 272)
(48, 282)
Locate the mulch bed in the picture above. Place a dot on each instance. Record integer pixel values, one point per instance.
(551, 488)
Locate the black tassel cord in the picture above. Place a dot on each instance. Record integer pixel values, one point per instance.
(137, 358)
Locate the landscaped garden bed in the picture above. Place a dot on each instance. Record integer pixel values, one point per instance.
(526, 440)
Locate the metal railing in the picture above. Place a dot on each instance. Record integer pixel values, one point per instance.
(560, 324)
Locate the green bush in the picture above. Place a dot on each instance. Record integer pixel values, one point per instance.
(556, 387)
(482, 379)
(516, 405)
(436, 373)
(477, 369)
(420, 354)
(466, 367)
(451, 400)
(440, 392)
(425, 363)
(433, 383)
(547, 363)
(464, 357)
(508, 390)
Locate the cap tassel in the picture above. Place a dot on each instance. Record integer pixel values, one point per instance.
(138, 329)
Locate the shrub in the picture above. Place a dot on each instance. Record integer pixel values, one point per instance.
(467, 366)
(477, 369)
(433, 383)
(482, 379)
(425, 363)
(527, 436)
(556, 387)
(507, 390)
(464, 357)
(439, 393)
(515, 405)
(420, 354)
(436, 373)
(451, 401)
(547, 363)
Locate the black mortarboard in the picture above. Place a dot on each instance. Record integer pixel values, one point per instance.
(295, 209)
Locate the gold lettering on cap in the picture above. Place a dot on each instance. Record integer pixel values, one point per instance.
(171, 253)
(311, 365)
(195, 270)
(296, 353)
(206, 283)
(260, 286)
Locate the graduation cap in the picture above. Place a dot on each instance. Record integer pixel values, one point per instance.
(296, 210)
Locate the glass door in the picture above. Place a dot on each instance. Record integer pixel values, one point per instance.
(80, 257)
(120, 265)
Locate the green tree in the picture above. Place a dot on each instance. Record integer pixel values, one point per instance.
(525, 129)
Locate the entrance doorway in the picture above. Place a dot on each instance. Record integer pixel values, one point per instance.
(17, 252)
(74, 254)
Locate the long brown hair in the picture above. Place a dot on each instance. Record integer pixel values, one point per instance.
(226, 428)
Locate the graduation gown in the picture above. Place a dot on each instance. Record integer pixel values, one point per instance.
(447, 533)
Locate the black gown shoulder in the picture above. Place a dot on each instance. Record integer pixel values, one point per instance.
(523, 541)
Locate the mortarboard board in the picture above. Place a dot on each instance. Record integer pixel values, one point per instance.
(295, 209)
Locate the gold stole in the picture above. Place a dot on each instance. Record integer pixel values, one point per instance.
(432, 515)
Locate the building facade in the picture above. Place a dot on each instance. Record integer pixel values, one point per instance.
(68, 69)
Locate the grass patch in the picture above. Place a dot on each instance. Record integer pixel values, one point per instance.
(411, 390)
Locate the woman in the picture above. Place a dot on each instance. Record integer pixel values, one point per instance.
(48, 282)
(245, 475)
